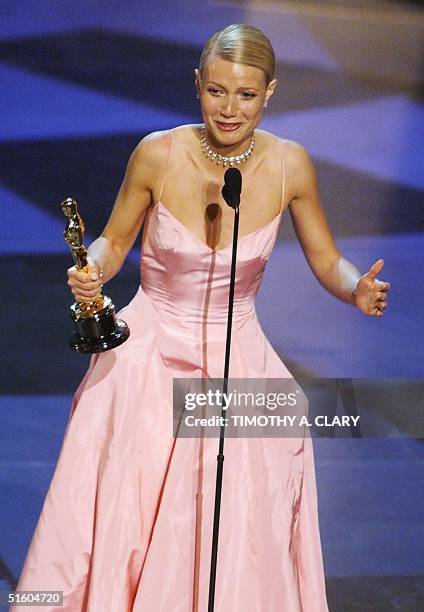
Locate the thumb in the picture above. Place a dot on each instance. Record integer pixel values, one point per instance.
(93, 268)
(375, 269)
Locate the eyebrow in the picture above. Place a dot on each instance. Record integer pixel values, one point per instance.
(222, 86)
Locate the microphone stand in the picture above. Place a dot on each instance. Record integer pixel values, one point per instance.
(220, 456)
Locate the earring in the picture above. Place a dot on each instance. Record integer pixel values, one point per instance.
(265, 104)
(198, 96)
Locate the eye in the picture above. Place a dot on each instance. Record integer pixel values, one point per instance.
(248, 95)
(214, 91)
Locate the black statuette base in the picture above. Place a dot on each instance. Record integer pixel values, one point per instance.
(98, 333)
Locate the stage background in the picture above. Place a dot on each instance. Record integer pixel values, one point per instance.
(81, 84)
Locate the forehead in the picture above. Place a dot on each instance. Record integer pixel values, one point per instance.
(232, 74)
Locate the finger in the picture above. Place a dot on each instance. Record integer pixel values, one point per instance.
(85, 293)
(382, 286)
(80, 277)
(86, 298)
(84, 286)
(91, 274)
(93, 268)
(375, 269)
(381, 305)
(72, 272)
(376, 312)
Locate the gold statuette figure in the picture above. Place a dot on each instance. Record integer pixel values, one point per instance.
(96, 327)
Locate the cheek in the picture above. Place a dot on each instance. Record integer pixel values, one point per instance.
(209, 106)
(254, 109)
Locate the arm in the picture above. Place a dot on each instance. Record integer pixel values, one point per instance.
(108, 252)
(336, 274)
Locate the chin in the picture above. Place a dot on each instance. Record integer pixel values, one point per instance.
(229, 138)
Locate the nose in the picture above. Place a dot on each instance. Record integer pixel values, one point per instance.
(229, 108)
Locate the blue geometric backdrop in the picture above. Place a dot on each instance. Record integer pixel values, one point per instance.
(81, 84)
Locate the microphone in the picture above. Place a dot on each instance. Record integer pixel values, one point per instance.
(232, 187)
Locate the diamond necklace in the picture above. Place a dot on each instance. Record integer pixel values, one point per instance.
(225, 159)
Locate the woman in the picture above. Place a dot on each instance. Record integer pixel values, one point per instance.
(127, 522)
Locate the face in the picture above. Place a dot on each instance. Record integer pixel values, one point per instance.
(232, 97)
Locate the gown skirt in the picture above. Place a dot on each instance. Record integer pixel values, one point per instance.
(127, 521)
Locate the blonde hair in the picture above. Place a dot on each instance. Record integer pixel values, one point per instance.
(243, 44)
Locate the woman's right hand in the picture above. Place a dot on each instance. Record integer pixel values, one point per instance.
(85, 286)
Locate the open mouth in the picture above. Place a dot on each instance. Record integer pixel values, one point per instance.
(228, 127)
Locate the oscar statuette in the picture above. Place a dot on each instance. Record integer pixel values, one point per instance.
(96, 327)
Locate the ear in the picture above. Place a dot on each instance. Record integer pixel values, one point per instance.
(270, 89)
(197, 80)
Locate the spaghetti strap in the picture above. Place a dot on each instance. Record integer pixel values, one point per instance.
(153, 206)
(283, 149)
(166, 167)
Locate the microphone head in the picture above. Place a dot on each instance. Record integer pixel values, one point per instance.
(232, 187)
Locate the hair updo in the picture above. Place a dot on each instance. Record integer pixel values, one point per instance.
(243, 44)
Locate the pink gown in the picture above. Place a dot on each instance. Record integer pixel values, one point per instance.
(127, 521)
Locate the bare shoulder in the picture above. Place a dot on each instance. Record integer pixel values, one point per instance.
(297, 158)
(148, 160)
(269, 141)
(300, 169)
(152, 150)
(298, 164)
(295, 153)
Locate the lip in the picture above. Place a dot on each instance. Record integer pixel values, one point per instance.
(228, 127)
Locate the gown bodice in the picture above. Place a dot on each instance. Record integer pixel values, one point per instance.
(185, 282)
(185, 276)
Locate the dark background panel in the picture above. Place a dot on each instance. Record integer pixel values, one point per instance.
(36, 327)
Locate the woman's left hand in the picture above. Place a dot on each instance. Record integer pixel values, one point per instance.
(370, 295)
